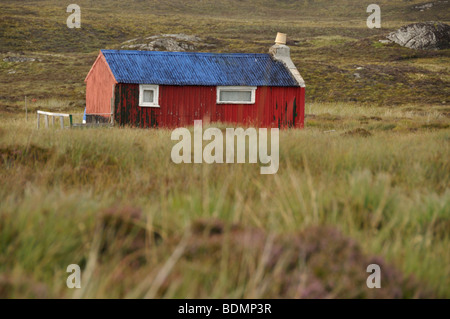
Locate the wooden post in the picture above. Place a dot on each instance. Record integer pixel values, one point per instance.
(38, 121)
(112, 105)
(53, 120)
(46, 121)
(112, 111)
(61, 119)
(70, 120)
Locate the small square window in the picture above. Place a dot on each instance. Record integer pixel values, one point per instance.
(236, 95)
(148, 95)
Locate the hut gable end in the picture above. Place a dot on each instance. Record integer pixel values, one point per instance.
(100, 83)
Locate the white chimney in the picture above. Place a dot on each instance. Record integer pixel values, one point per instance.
(281, 52)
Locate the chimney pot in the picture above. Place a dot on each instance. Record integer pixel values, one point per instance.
(281, 38)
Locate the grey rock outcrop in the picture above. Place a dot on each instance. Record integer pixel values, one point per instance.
(166, 42)
(20, 59)
(423, 36)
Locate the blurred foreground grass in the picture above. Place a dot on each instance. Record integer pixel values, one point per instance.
(358, 182)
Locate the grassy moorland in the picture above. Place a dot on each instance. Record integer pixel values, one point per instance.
(367, 180)
(329, 40)
(139, 225)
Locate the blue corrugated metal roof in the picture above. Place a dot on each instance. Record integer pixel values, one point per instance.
(189, 68)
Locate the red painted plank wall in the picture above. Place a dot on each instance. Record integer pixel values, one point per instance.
(181, 105)
(99, 88)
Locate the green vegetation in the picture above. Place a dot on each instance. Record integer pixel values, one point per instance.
(367, 180)
(112, 201)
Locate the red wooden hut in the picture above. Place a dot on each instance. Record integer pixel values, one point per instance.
(172, 89)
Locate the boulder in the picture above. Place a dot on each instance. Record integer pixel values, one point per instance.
(423, 36)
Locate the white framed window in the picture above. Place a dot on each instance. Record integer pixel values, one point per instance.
(236, 94)
(148, 95)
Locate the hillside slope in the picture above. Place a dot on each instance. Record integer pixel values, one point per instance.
(340, 58)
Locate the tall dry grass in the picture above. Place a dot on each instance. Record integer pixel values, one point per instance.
(112, 201)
